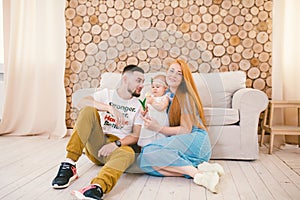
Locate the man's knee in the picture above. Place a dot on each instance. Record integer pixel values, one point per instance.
(88, 110)
(127, 153)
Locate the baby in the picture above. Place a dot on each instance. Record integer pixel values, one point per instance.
(157, 103)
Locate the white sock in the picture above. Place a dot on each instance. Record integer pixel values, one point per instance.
(68, 160)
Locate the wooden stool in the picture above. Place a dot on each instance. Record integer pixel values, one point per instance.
(279, 129)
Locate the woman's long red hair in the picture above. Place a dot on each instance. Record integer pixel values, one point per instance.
(187, 91)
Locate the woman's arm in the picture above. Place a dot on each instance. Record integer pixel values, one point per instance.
(152, 124)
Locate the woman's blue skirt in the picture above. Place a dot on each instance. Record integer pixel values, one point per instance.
(178, 150)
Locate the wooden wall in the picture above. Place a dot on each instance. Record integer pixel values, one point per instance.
(212, 35)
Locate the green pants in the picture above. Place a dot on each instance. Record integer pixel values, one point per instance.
(88, 134)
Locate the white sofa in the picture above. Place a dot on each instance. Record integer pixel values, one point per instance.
(231, 110)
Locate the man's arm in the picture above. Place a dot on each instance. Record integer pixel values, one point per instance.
(90, 101)
(133, 137)
(107, 149)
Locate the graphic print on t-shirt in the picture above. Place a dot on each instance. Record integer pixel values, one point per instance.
(110, 120)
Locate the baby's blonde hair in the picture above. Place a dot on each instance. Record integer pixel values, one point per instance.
(160, 78)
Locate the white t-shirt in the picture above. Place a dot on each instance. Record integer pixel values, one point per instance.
(129, 108)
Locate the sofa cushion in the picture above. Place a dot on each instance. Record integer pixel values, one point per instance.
(221, 116)
(216, 89)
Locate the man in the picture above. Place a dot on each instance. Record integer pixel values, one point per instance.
(106, 127)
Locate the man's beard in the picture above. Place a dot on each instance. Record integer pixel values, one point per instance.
(134, 93)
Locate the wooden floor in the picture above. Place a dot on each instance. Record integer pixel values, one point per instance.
(28, 165)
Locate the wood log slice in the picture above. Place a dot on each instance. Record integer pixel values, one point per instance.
(253, 73)
(219, 50)
(234, 11)
(254, 62)
(233, 67)
(247, 26)
(247, 53)
(152, 52)
(204, 68)
(144, 23)
(264, 67)
(257, 48)
(83, 76)
(90, 60)
(223, 69)
(91, 49)
(129, 24)
(228, 20)
(216, 63)
(206, 56)
(236, 57)
(264, 57)
(156, 64)
(249, 83)
(268, 47)
(217, 19)
(233, 29)
(269, 81)
(207, 18)
(225, 60)
(244, 65)
(230, 49)
(70, 13)
(202, 27)
(234, 40)
(262, 37)
(212, 28)
(259, 84)
(222, 28)
(242, 34)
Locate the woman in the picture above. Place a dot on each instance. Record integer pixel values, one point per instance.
(187, 144)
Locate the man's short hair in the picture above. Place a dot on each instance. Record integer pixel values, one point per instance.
(132, 68)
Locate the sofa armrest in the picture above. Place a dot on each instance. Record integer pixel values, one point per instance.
(250, 100)
(250, 103)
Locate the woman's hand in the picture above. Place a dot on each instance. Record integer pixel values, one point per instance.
(151, 124)
(107, 149)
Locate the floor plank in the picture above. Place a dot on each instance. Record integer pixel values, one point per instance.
(241, 182)
(257, 185)
(273, 187)
(28, 165)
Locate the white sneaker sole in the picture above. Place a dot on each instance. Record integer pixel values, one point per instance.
(73, 178)
(80, 196)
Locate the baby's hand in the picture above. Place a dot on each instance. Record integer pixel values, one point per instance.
(149, 99)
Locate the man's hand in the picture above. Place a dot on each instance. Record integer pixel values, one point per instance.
(107, 149)
(120, 120)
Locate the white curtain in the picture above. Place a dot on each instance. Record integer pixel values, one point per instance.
(34, 50)
(286, 56)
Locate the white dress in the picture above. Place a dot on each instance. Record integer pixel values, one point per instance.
(146, 135)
